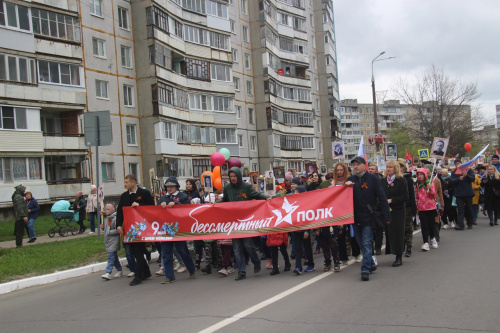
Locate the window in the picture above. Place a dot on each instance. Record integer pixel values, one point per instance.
(216, 9)
(200, 166)
(158, 17)
(200, 102)
(16, 16)
(101, 89)
(231, 24)
(53, 72)
(238, 111)
(240, 140)
(320, 147)
(14, 68)
(197, 69)
(255, 167)
(249, 88)
(220, 72)
(236, 81)
(107, 170)
(225, 135)
(131, 134)
(234, 52)
(160, 55)
(13, 117)
(251, 116)
(128, 95)
(247, 61)
(195, 35)
(307, 143)
(126, 53)
(60, 26)
(99, 47)
(243, 6)
(168, 130)
(253, 143)
(313, 40)
(219, 41)
(123, 18)
(245, 33)
(177, 28)
(20, 168)
(318, 125)
(223, 103)
(132, 169)
(95, 7)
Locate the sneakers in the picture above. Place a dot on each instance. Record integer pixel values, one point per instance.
(131, 274)
(452, 225)
(167, 281)
(434, 243)
(119, 274)
(160, 272)
(365, 277)
(269, 264)
(106, 276)
(32, 240)
(344, 262)
(408, 252)
(182, 269)
(230, 270)
(336, 266)
(240, 277)
(425, 247)
(327, 268)
(297, 271)
(223, 272)
(309, 269)
(445, 226)
(177, 266)
(91, 232)
(358, 258)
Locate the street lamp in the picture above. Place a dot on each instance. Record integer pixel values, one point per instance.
(374, 97)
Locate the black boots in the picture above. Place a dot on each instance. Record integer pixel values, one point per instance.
(207, 269)
(398, 261)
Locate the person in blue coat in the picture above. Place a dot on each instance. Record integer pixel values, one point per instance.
(462, 189)
(33, 209)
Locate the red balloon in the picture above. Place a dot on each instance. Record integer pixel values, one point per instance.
(217, 159)
(206, 173)
(216, 172)
(234, 162)
(468, 146)
(217, 182)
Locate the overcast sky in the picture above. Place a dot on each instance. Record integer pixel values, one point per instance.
(460, 36)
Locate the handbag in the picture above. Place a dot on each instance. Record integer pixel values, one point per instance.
(376, 221)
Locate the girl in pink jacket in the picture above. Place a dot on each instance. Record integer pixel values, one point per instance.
(425, 193)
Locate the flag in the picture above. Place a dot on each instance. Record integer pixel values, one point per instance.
(408, 157)
(362, 152)
(496, 151)
(464, 166)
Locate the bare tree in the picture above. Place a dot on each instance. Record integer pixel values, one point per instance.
(441, 107)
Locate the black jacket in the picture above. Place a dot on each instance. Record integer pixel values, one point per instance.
(142, 197)
(412, 202)
(180, 198)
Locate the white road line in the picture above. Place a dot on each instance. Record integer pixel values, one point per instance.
(270, 301)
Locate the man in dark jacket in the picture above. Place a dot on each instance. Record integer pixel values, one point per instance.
(462, 189)
(367, 192)
(237, 190)
(411, 209)
(171, 199)
(20, 213)
(135, 196)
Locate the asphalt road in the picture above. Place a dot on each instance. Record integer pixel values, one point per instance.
(455, 288)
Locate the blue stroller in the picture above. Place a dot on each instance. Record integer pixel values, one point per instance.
(63, 216)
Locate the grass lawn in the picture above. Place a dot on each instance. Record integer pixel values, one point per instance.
(45, 258)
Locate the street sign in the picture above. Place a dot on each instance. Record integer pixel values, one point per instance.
(97, 128)
(423, 154)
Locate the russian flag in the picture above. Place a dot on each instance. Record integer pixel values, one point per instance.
(464, 166)
(362, 152)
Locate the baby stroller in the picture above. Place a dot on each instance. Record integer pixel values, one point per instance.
(63, 216)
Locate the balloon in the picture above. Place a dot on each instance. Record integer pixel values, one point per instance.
(217, 159)
(217, 182)
(288, 176)
(234, 162)
(216, 172)
(225, 152)
(206, 173)
(468, 146)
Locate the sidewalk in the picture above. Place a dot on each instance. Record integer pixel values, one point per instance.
(46, 239)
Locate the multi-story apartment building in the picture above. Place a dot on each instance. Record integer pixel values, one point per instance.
(181, 79)
(497, 116)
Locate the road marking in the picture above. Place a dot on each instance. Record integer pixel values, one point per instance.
(271, 300)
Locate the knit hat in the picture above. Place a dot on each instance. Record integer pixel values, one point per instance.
(93, 187)
(300, 189)
(288, 176)
(111, 207)
(79, 193)
(296, 181)
(172, 181)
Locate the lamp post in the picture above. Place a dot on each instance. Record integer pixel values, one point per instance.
(374, 96)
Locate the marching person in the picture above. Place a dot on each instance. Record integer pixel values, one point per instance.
(491, 183)
(411, 209)
(92, 208)
(462, 187)
(80, 206)
(425, 191)
(112, 242)
(33, 209)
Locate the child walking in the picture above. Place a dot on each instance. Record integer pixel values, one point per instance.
(112, 242)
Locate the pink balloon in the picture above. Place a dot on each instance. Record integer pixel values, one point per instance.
(234, 162)
(217, 159)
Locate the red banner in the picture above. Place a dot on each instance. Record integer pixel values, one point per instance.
(321, 208)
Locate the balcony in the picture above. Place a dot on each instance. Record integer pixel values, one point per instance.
(60, 142)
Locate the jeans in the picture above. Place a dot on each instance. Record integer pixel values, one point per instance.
(364, 236)
(178, 256)
(92, 216)
(464, 208)
(167, 251)
(113, 261)
(31, 228)
(130, 257)
(239, 257)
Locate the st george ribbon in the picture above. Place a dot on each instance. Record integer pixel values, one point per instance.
(310, 210)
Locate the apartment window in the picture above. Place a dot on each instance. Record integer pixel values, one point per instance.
(220, 72)
(132, 169)
(318, 126)
(107, 171)
(216, 9)
(247, 61)
(99, 47)
(225, 135)
(128, 95)
(53, 72)
(159, 18)
(245, 34)
(320, 147)
(238, 111)
(234, 52)
(55, 25)
(126, 53)
(20, 168)
(253, 143)
(231, 24)
(240, 140)
(313, 40)
(177, 29)
(95, 7)
(13, 118)
(249, 88)
(200, 102)
(311, 20)
(243, 6)
(307, 143)
(254, 167)
(123, 18)
(168, 130)
(219, 41)
(196, 35)
(197, 69)
(251, 116)
(223, 103)
(101, 89)
(14, 68)
(15, 16)
(131, 135)
(236, 81)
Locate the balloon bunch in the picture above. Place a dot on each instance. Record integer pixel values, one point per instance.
(218, 159)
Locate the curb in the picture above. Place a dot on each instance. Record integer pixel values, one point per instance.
(57, 276)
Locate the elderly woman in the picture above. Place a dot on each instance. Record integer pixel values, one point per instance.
(91, 207)
(33, 209)
(396, 190)
(80, 205)
(491, 183)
